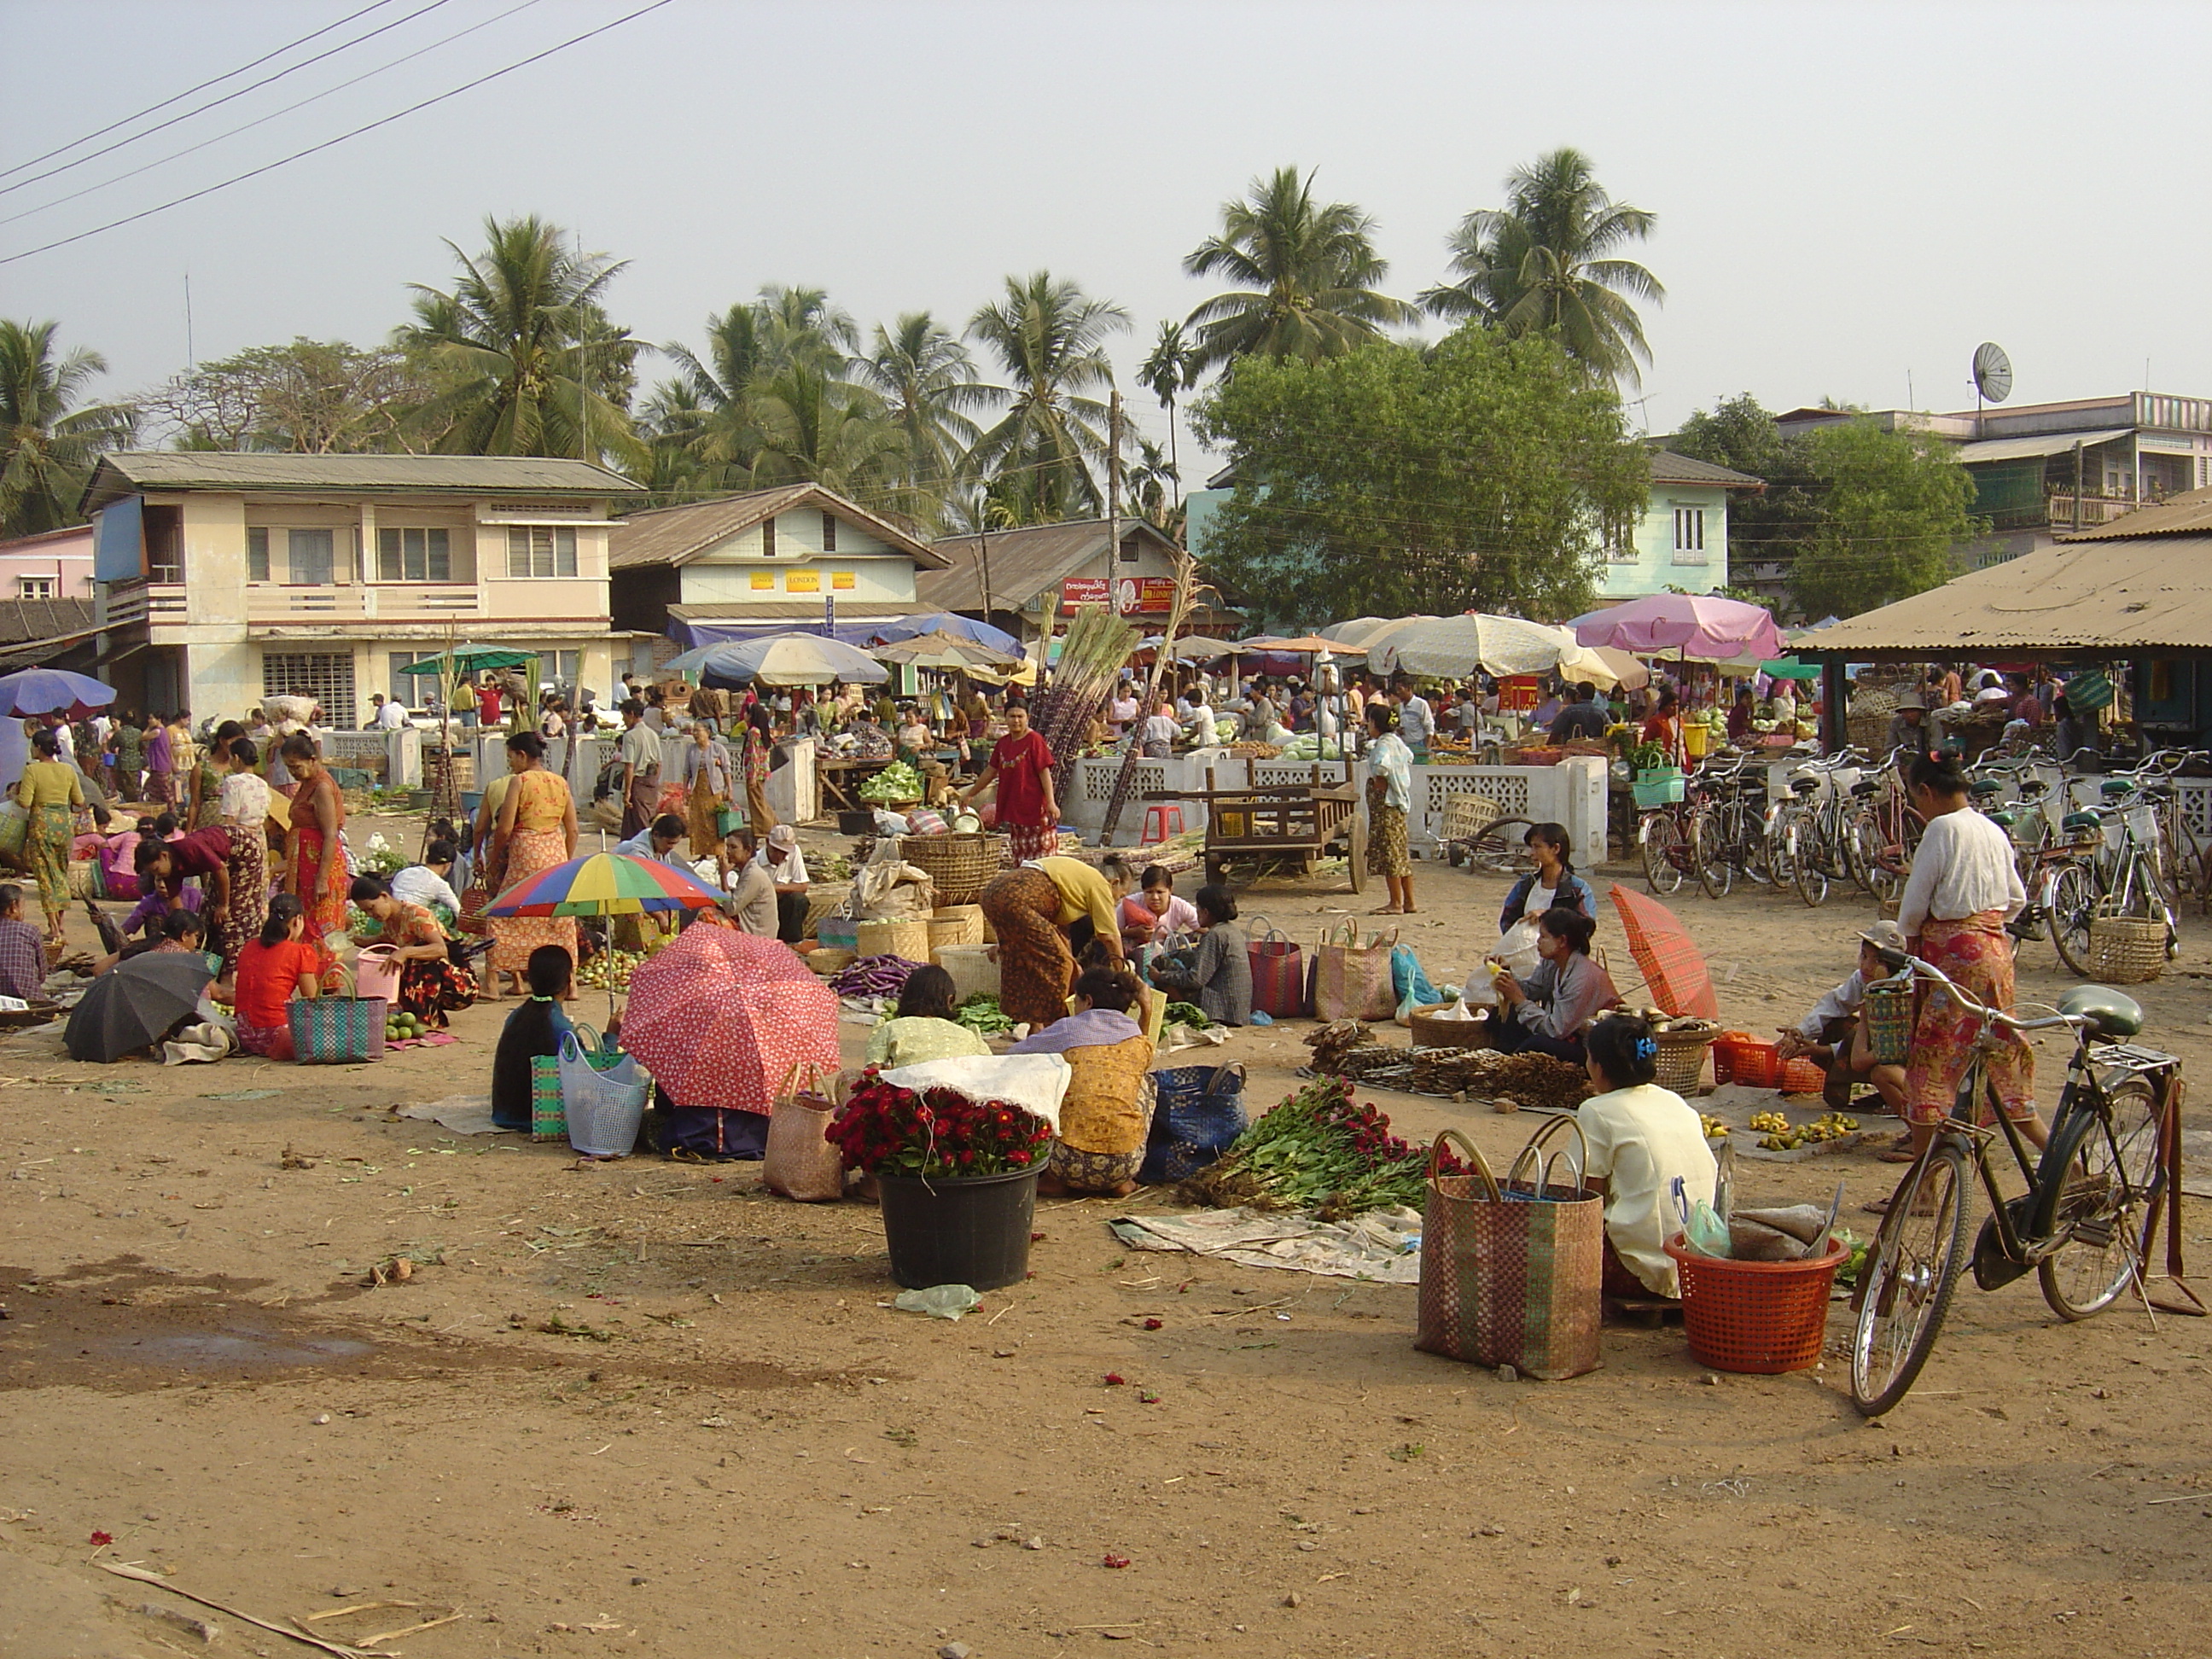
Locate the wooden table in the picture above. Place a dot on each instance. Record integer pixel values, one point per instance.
(1273, 822)
(842, 776)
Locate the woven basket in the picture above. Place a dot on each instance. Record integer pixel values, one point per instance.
(1889, 1022)
(954, 924)
(1431, 1032)
(336, 1030)
(908, 937)
(1764, 1317)
(973, 973)
(826, 962)
(823, 898)
(957, 864)
(2126, 950)
(1682, 1062)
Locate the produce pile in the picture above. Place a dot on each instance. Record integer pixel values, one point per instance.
(897, 781)
(1781, 1137)
(1537, 1082)
(1714, 1128)
(980, 1015)
(398, 1028)
(1320, 1150)
(873, 976)
(886, 1130)
(610, 970)
(1332, 1041)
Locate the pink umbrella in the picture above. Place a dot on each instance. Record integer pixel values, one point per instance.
(1694, 624)
(719, 1017)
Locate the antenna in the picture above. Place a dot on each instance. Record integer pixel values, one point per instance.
(1992, 378)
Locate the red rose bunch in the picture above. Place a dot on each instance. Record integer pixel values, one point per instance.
(887, 1130)
(1321, 1150)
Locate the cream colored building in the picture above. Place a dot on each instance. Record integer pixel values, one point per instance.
(226, 578)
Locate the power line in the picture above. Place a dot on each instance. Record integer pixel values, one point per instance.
(213, 103)
(228, 75)
(329, 143)
(176, 156)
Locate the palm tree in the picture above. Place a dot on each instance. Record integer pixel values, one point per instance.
(1151, 477)
(1307, 272)
(1048, 336)
(47, 444)
(1545, 263)
(927, 383)
(524, 349)
(1173, 367)
(815, 427)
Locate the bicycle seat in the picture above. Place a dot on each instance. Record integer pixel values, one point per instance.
(2004, 820)
(2081, 824)
(1865, 787)
(2112, 1014)
(2113, 788)
(1985, 788)
(2159, 793)
(2033, 787)
(1804, 785)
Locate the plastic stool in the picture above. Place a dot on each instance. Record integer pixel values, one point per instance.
(1156, 824)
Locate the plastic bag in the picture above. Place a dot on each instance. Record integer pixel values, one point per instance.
(938, 1301)
(1407, 979)
(1516, 948)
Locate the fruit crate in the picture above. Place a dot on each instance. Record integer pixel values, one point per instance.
(1739, 1057)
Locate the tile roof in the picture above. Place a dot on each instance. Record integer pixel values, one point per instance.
(1668, 467)
(1024, 562)
(677, 535)
(2189, 513)
(126, 471)
(25, 620)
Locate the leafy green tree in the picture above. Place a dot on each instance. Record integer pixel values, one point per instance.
(817, 429)
(49, 438)
(926, 383)
(1772, 526)
(1892, 506)
(1548, 262)
(1049, 338)
(311, 396)
(1306, 275)
(1482, 474)
(525, 357)
(1155, 488)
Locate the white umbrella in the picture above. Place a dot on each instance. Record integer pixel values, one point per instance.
(1453, 646)
(939, 649)
(1360, 630)
(793, 659)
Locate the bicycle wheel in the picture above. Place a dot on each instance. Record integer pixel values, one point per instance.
(1863, 847)
(1805, 862)
(1665, 863)
(2073, 902)
(1708, 855)
(1747, 835)
(1497, 849)
(1905, 1285)
(1779, 834)
(2097, 1185)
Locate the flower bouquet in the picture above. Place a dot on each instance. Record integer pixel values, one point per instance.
(885, 1130)
(1320, 1150)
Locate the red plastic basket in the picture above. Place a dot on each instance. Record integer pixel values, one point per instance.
(1738, 1057)
(1760, 1316)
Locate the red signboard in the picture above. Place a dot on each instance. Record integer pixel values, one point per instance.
(1133, 595)
(1078, 591)
(1516, 694)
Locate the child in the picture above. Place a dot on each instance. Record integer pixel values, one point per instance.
(269, 969)
(1153, 913)
(535, 1028)
(1640, 1138)
(926, 1027)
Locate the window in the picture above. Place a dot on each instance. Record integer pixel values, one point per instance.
(1621, 547)
(308, 553)
(1129, 549)
(1689, 535)
(829, 533)
(539, 551)
(768, 539)
(165, 544)
(564, 667)
(35, 588)
(411, 689)
(257, 555)
(327, 677)
(414, 555)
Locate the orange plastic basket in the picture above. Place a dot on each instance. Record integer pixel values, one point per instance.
(1760, 1316)
(1738, 1057)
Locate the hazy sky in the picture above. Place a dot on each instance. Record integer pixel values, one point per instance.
(1845, 194)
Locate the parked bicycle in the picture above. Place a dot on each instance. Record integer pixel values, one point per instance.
(2104, 868)
(1885, 830)
(1809, 835)
(2083, 1223)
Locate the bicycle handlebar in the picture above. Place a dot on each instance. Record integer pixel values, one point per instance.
(1897, 961)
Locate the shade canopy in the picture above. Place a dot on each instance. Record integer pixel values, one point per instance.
(134, 1004)
(1358, 630)
(1454, 646)
(1673, 968)
(605, 884)
(471, 659)
(52, 691)
(1697, 625)
(940, 649)
(937, 622)
(1304, 645)
(721, 1018)
(1604, 666)
(792, 659)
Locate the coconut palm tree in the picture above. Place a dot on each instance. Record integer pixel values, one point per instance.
(524, 349)
(927, 382)
(47, 444)
(1048, 336)
(1307, 272)
(1546, 261)
(1172, 369)
(814, 427)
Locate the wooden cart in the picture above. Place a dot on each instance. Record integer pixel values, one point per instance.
(1293, 823)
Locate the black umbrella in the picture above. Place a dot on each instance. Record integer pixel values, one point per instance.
(135, 1003)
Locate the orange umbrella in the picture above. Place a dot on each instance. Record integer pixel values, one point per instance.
(1673, 966)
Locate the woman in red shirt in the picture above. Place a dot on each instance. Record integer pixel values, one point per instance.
(1665, 726)
(271, 970)
(1022, 766)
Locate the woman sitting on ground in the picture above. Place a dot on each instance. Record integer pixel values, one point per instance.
(1640, 1138)
(925, 1026)
(1153, 913)
(1547, 1011)
(1217, 971)
(1554, 883)
(1107, 1109)
(430, 986)
(272, 969)
(532, 1031)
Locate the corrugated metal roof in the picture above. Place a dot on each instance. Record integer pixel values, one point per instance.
(678, 535)
(2048, 443)
(1024, 562)
(1670, 468)
(182, 469)
(2117, 597)
(2189, 513)
(790, 611)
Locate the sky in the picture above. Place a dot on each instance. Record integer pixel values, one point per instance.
(1849, 197)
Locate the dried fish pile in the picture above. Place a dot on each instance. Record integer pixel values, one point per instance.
(1332, 1041)
(1536, 1082)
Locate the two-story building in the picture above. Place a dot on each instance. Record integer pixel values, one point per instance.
(1681, 541)
(55, 564)
(792, 558)
(226, 578)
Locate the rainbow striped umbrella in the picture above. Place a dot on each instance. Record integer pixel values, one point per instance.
(605, 884)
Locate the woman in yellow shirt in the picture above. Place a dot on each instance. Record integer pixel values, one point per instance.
(51, 791)
(534, 832)
(1043, 913)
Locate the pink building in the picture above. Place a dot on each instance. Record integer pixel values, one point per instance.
(56, 565)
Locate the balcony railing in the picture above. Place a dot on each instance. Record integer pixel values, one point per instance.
(389, 601)
(2095, 509)
(137, 599)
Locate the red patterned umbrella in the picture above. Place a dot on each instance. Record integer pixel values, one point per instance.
(719, 1017)
(1673, 966)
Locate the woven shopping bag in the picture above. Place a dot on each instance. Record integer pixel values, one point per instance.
(1279, 973)
(799, 1161)
(1351, 981)
(1201, 1112)
(549, 1118)
(1510, 1273)
(336, 1030)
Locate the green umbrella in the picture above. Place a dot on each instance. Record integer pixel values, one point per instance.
(1789, 668)
(470, 659)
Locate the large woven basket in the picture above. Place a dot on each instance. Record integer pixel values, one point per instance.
(1682, 1062)
(957, 864)
(954, 924)
(2126, 950)
(907, 937)
(1431, 1032)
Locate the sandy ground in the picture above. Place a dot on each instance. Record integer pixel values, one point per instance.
(645, 1407)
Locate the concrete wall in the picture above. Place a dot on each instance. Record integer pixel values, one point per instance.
(1652, 566)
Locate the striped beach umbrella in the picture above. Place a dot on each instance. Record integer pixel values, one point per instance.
(605, 884)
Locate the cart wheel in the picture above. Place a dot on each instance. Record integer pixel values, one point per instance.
(1358, 860)
(1214, 871)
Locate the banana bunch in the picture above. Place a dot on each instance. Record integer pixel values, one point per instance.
(1715, 1129)
(1770, 1122)
(1829, 1126)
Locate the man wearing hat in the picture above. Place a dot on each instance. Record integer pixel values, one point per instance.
(1909, 726)
(1833, 1036)
(781, 858)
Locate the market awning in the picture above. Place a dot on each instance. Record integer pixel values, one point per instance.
(2048, 443)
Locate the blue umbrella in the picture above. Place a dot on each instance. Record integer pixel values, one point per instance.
(52, 691)
(892, 631)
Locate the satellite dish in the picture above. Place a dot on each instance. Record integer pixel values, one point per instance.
(1992, 373)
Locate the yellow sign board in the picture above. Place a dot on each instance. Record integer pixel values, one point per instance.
(841, 580)
(802, 581)
(763, 581)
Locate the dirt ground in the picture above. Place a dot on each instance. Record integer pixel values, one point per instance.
(645, 1407)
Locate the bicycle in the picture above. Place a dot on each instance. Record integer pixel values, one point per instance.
(1883, 833)
(1806, 832)
(1725, 830)
(2104, 868)
(2083, 1222)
